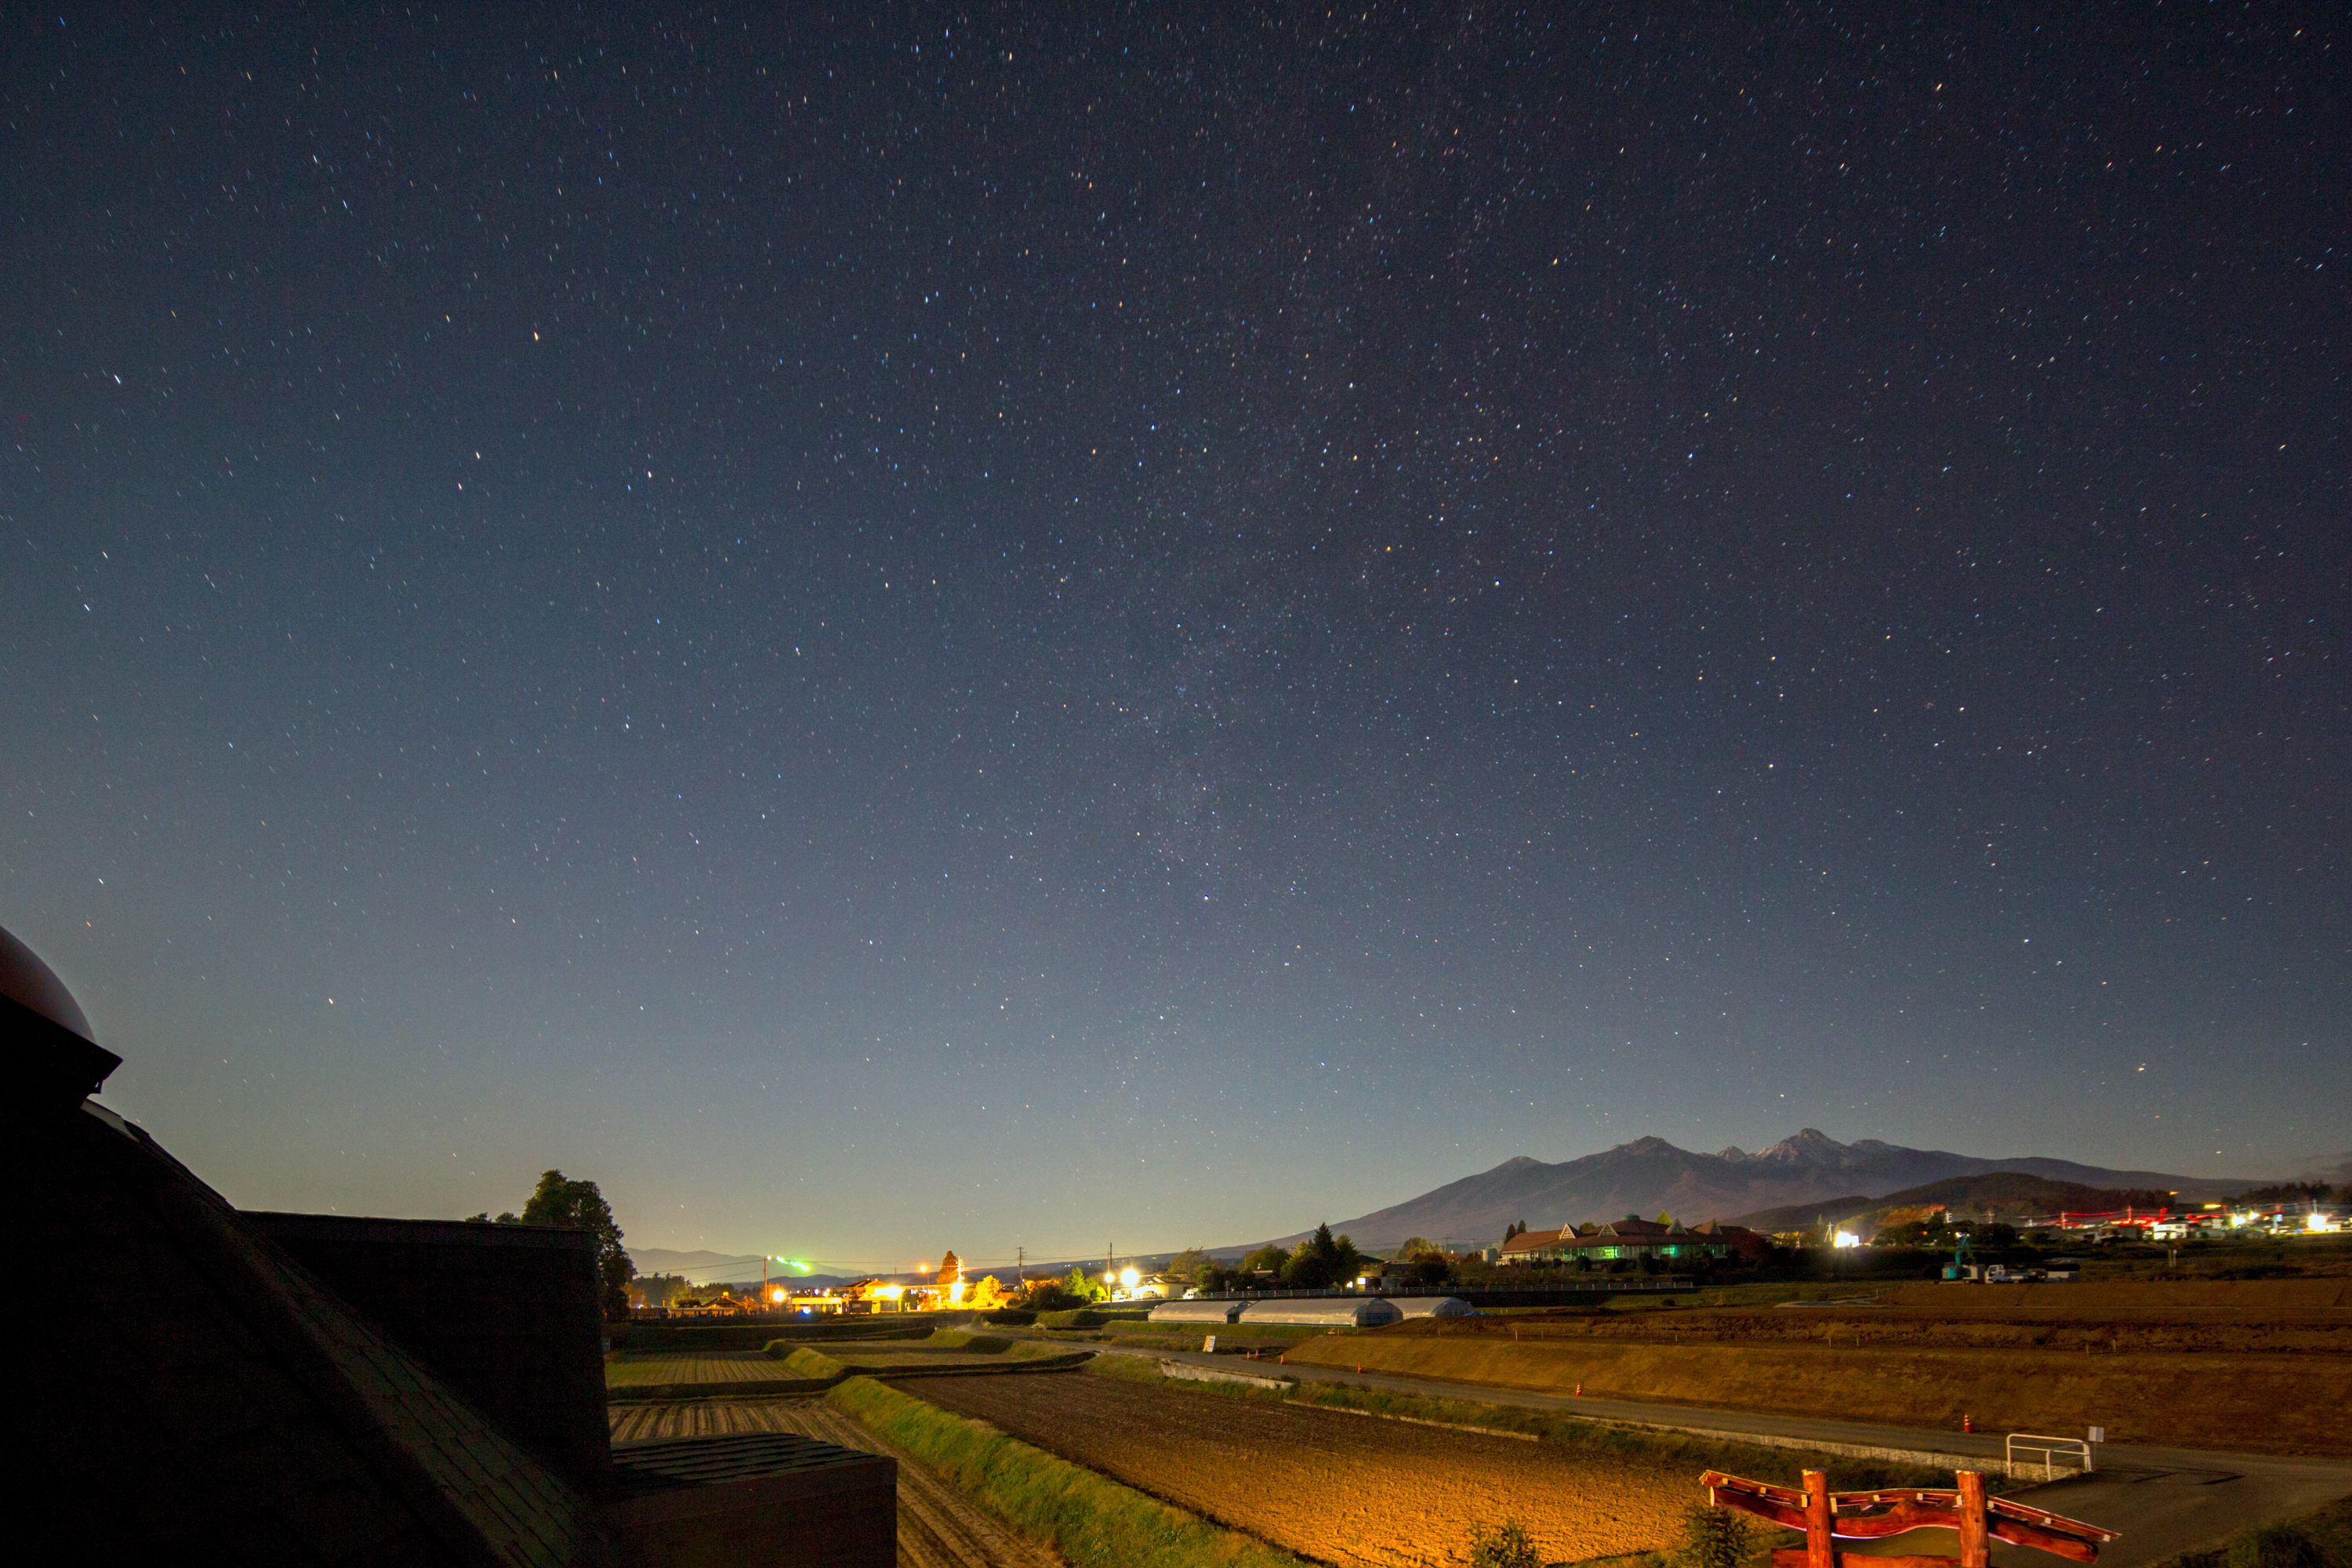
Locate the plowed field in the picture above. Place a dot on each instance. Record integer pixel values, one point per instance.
(1341, 1488)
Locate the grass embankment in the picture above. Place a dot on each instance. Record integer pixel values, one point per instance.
(1783, 1466)
(807, 1362)
(943, 1348)
(2276, 1403)
(2319, 1539)
(1093, 1521)
(1091, 1316)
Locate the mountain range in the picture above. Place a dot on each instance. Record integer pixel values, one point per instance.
(706, 1268)
(1650, 1175)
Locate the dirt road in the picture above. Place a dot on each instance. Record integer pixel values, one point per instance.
(938, 1527)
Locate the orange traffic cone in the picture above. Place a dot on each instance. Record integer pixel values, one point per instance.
(1580, 1391)
(1968, 1422)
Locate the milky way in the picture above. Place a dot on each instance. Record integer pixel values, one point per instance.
(887, 634)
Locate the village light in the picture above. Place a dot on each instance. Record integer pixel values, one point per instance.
(1847, 1238)
(1128, 1277)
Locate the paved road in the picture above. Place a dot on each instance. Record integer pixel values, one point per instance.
(2165, 1501)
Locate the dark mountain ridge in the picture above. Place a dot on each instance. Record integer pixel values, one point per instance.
(1996, 1193)
(1650, 1175)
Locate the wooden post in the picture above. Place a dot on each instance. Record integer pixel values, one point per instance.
(1820, 1549)
(1976, 1541)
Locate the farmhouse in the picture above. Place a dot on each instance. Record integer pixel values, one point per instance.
(1625, 1239)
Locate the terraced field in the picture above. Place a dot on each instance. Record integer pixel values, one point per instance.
(937, 1527)
(626, 1370)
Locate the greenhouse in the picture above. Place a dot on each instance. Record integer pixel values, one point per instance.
(1323, 1312)
(1197, 1311)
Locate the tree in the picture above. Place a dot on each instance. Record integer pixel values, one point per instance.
(578, 1205)
(1718, 1538)
(1048, 1294)
(1415, 1248)
(950, 1270)
(1189, 1263)
(985, 1294)
(660, 1290)
(1322, 1260)
(1265, 1260)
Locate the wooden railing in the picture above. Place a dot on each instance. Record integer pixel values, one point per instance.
(1828, 1517)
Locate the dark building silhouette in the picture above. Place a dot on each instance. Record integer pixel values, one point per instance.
(287, 1388)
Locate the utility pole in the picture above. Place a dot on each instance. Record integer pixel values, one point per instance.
(1021, 1264)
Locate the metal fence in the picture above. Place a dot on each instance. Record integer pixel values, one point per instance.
(2051, 1452)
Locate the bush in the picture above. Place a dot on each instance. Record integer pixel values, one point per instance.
(2277, 1546)
(1716, 1538)
(1507, 1545)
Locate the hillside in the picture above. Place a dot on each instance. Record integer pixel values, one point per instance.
(1650, 1175)
(2002, 1193)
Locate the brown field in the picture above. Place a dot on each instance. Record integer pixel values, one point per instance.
(643, 1370)
(2184, 1318)
(2262, 1365)
(1344, 1488)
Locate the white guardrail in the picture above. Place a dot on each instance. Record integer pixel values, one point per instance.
(2050, 1451)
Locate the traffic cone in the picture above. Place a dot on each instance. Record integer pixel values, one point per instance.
(1359, 1368)
(1968, 1422)
(1580, 1391)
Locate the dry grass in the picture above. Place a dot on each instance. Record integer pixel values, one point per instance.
(2279, 1403)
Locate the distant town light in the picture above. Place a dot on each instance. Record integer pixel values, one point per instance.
(1128, 1277)
(1847, 1238)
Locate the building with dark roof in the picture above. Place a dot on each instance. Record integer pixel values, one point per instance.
(1630, 1239)
(214, 1392)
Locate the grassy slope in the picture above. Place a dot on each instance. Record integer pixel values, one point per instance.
(846, 1360)
(2319, 1539)
(1094, 1521)
(2228, 1400)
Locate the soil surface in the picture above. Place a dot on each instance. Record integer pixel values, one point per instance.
(639, 1371)
(2267, 1402)
(938, 1527)
(1340, 1488)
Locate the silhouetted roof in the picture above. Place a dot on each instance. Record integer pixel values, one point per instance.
(203, 1399)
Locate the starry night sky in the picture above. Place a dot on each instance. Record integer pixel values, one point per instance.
(894, 632)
